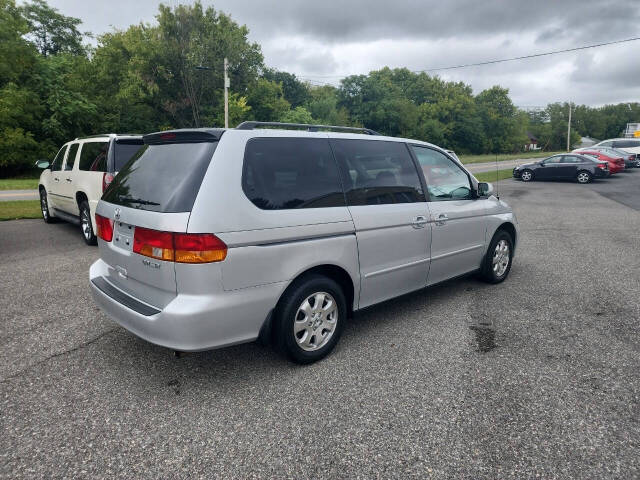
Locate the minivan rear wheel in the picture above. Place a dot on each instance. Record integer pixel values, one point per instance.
(497, 261)
(310, 318)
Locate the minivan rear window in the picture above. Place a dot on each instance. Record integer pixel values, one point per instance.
(162, 178)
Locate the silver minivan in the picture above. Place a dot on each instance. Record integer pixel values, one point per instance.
(213, 237)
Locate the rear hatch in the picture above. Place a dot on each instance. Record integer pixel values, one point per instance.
(146, 205)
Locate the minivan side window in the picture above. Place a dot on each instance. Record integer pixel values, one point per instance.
(93, 156)
(377, 172)
(445, 179)
(71, 158)
(57, 162)
(287, 173)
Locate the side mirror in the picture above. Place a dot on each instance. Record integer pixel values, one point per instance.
(485, 189)
(42, 164)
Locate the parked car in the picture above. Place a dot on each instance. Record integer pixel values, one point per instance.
(629, 145)
(616, 163)
(212, 237)
(566, 166)
(629, 158)
(71, 185)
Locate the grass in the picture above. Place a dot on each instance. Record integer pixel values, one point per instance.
(18, 183)
(491, 157)
(15, 210)
(494, 176)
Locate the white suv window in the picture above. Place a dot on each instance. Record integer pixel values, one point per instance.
(445, 179)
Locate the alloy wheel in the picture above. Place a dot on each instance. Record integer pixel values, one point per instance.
(315, 321)
(43, 205)
(526, 176)
(85, 223)
(501, 258)
(583, 177)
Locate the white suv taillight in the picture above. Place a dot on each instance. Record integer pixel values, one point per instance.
(107, 178)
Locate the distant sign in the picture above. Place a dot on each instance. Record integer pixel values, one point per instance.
(636, 133)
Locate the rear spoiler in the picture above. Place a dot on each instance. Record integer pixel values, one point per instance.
(185, 135)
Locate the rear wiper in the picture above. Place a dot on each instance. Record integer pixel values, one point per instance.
(137, 200)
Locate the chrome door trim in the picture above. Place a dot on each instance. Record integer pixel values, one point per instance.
(397, 267)
(456, 252)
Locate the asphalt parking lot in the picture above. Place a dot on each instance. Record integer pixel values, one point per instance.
(535, 377)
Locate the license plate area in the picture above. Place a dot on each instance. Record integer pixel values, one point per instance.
(123, 235)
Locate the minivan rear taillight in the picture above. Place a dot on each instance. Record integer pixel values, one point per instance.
(179, 247)
(104, 228)
(107, 178)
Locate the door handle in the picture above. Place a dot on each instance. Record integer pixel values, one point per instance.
(69, 180)
(442, 219)
(419, 222)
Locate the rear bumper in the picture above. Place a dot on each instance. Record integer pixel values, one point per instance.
(599, 173)
(188, 322)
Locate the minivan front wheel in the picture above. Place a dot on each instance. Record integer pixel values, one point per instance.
(497, 261)
(310, 318)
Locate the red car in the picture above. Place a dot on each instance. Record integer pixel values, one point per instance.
(616, 164)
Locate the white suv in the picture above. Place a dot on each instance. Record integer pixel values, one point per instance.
(71, 186)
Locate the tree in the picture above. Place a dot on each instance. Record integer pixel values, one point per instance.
(297, 115)
(504, 130)
(294, 91)
(267, 101)
(17, 56)
(50, 31)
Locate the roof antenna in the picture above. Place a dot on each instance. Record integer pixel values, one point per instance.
(497, 179)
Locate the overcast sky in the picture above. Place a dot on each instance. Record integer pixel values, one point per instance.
(322, 41)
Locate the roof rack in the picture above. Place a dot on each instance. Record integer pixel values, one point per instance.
(306, 126)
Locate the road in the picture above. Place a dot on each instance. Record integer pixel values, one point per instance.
(491, 166)
(536, 377)
(11, 195)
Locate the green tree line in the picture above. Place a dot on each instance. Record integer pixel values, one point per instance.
(55, 86)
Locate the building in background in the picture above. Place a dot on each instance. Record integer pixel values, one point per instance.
(632, 130)
(532, 144)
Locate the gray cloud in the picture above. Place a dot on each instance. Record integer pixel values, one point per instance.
(318, 39)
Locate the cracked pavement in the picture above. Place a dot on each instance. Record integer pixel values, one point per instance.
(535, 377)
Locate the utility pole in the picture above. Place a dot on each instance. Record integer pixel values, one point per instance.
(226, 94)
(569, 130)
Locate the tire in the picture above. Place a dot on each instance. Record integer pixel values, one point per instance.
(494, 270)
(44, 207)
(526, 175)
(584, 177)
(309, 337)
(86, 227)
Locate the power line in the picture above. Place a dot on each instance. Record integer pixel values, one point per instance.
(491, 62)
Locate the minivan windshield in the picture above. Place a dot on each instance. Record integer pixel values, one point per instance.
(162, 178)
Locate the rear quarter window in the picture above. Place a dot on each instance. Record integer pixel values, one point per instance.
(288, 173)
(162, 178)
(93, 156)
